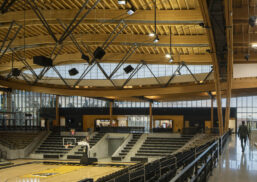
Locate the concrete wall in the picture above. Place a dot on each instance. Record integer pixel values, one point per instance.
(108, 144)
(113, 144)
(125, 142)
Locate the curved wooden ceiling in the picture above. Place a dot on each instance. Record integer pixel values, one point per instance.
(189, 40)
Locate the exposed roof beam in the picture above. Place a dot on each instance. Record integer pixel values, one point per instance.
(116, 57)
(105, 16)
(240, 58)
(238, 85)
(122, 39)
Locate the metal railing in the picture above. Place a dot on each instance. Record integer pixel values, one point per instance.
(201, 167)
(195, 164)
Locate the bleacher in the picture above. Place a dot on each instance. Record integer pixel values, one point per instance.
(160, 146)
(53, 147)
(162, 170)
(17, 140)
(78, 154)
(95, 139)
(128, 147)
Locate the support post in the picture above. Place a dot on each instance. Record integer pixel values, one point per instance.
(230, 57)
(207, 21)
(212, 119)
(57, 117)
(111, 104)
(151, 116)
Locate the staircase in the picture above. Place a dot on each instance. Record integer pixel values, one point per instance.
(95, 139)
(78, 152)
(160, 146)
(128, 147)
(53, 147)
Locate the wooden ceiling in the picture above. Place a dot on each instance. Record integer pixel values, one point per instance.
(189, 40)
(244, 34)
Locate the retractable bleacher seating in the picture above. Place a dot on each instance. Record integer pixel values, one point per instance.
(128, 147)
(160, 146)
(78, 154)
(17, 140)
(53, 147)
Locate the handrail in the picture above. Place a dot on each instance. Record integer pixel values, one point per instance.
(193, 163)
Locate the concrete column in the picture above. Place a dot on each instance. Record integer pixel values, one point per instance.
(151, 116)
(212, 99)
(57, 115)
(111, 104)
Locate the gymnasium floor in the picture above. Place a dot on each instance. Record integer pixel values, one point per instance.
(38, 171)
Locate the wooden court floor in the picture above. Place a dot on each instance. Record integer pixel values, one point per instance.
(51, 172)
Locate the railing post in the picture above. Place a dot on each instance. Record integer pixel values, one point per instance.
(205, 168)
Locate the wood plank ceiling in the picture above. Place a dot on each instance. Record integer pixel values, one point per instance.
(189, 39)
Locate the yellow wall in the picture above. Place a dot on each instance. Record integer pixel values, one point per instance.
(178, 121)
(187, 124)
(88, 120)
(208, 124)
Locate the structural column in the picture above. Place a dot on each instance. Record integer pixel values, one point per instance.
(230, 57)
(151, 116)
(57, 117)
(111, 105)
(212, 99)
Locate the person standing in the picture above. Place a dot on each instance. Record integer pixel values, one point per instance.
(243, 133)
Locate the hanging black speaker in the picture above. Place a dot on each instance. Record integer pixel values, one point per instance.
(42, 61)
(85, 57)
(128, 69)
(99, 53)
(73, 72)
(16, 72)
(252, 21)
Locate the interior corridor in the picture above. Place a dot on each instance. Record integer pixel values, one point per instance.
(235, 166)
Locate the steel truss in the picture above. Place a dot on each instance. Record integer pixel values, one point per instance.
(5, 6)
(2, 49)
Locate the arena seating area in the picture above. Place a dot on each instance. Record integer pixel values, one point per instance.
(160, 146)
(53, 146)
(79, 152)
(161, 170)
(130, 145)
(17, 140)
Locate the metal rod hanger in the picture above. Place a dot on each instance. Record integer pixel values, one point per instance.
(86, 71)
(26, 64)
(124, 59)
(72, 27)
(46, 69)
(174, 74)
(139, 66)
(2, 52)
(184, 64)
(60, 76)
(4, 8)
(41, 17)
(158, 81)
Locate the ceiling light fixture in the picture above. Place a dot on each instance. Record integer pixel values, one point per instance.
(169, 55)
(178, 72)
(122, 2)
(151, 34)
(156, 39)
(131, 11)
(254, 45)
